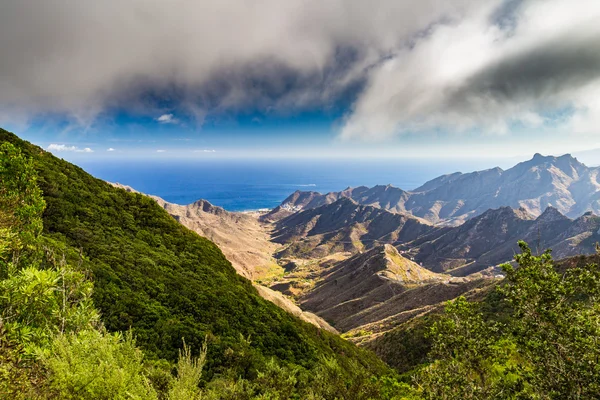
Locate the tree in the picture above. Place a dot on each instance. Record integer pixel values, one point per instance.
(93, 364)
(555, 324)
(52, 344)
(472, 358)
(21, 207)
(546, 348)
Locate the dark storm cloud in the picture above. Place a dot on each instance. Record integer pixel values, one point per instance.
(541, 73)
(81, 57)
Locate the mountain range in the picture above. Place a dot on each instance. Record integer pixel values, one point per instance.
(562, 182)
(363, 262)
(367, 262)
(484, 241)
(491, 238)
(344, 226)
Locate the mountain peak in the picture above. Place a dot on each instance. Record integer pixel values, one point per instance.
(205, 206)
(505, 212)
(539, 158)
(403, 270)
(345, 201)
(551, 214)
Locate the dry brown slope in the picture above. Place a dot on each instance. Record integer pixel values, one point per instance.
(378, 289)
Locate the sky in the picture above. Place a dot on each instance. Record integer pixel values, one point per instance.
(302, 78)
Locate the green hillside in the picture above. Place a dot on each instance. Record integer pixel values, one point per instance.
(165, 283)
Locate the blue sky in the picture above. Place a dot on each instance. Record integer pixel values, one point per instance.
(302, 78)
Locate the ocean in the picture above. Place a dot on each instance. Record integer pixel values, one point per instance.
(242, 185)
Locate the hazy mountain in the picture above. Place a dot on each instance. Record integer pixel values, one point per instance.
(562, 182)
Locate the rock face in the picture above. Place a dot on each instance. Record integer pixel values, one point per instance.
(562, 182)
(241, 237)
(380, 286)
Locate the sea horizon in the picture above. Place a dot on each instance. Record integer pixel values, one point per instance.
(251, 185)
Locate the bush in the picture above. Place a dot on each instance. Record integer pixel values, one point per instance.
(95, 365)
(546, 347)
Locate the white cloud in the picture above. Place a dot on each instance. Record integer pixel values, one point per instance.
(110, 149)
(161, 151)
(167, 119)
(471, 74)
(205, 151)
(62, 147)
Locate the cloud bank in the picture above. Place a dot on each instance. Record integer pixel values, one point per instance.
(396, 66)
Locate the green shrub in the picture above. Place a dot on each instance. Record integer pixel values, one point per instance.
(544, 346)
(96, 365)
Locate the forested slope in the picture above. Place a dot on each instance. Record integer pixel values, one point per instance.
(167, 283)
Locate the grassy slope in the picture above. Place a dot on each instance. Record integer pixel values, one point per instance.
(165, 282)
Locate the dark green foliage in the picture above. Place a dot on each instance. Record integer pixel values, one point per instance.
(408, 346)
(21, 204)
(555, 325)
(543, 346)
(167, 283)
(327, 381)
(20, 377)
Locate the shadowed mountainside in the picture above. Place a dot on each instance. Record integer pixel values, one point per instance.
(491, 239)
(344, 226)
(483, 241)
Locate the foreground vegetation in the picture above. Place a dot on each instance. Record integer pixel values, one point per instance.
(101, 287)
(104, 296)
(542, 345)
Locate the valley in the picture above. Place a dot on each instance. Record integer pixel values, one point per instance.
(366, 261)
(322, 292)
